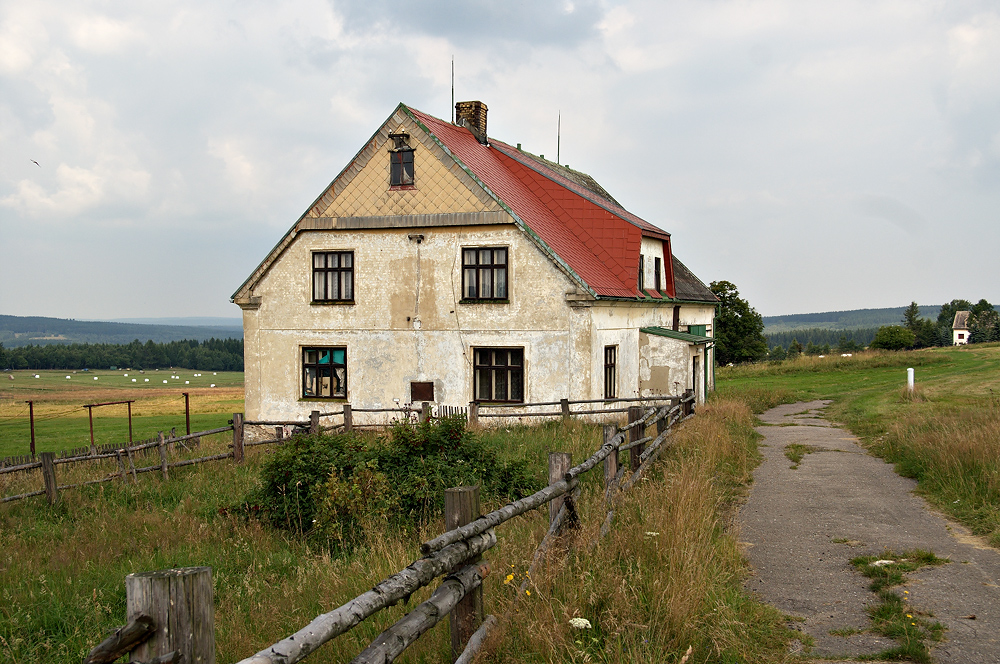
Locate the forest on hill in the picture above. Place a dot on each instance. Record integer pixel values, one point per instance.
(207, 355)
(855, 319)
(40, 330)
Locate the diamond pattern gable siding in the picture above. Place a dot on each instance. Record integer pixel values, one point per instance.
(363, 189)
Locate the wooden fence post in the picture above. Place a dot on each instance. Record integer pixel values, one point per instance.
(163, 457)
(279, 434)
(610, 461)
(121, 465)
(314, 423)
(564, 404)
(635, 433)
(473, 413)
(180, 603)
(348, 418)
(461, 505)
(559, 463)
(238, 437)
(688, 407)
(49, 474)
(425, 411)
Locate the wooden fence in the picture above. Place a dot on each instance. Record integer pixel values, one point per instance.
(456, 553)
(125, 456)
(475, 412)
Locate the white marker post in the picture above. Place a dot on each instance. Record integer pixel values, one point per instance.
(909, 379)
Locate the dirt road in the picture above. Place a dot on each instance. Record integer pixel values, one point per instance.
(802, 526)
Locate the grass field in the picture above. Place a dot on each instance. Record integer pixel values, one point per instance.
(62, 423)
(668, 577)
(946, 435)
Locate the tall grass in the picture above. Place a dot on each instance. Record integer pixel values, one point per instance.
(648, 596)
(954, 453)
(667, 577)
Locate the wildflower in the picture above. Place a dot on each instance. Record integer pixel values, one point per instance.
(508, 579)
(527, 592)
(908, 615)
(906, 592)
(579, 623)
(652, 534)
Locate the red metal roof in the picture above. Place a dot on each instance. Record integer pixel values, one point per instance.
(596, 238)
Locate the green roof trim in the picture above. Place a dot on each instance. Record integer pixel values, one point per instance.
(680, 336)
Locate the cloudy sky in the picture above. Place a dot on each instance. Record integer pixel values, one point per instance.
(819, 155)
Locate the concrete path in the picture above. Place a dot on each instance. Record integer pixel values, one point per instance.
(802, 527)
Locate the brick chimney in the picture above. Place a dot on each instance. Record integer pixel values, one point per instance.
(472, 114)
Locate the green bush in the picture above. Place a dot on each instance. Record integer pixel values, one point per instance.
(893, 337)
(332, 488)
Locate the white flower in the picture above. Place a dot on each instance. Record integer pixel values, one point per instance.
(652, 534)
(579, 623)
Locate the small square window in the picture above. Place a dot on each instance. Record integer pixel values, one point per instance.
(400, 161)
(499, 374)
(333, 276)
(324, 372)
(484, 273)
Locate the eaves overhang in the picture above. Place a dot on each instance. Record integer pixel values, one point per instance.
(693, 339)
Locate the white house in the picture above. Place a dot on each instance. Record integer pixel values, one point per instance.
(442, 265)
(960, 329)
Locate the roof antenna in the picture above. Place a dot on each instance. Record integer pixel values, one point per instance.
(558, 136)
(453, 89)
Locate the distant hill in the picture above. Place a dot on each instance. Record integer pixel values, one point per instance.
(18, 331)
(855, 319)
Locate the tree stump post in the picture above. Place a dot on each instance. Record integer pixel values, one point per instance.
(49, 474)
(121, 464)
(238, 437)
(163, 457)
(461, 505)
(180, 603)
(559, 463)
(610, 461)
(314, 423)
(564, 406)
(348, 418)
(634, 434)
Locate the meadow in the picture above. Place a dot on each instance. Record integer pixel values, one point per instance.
(946, 434)
(61, 422)
(667, 578)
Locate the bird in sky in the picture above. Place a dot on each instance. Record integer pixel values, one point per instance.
(35, 163)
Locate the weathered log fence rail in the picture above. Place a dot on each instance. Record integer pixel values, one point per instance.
(425, 411)
(125, 457)
(455, 553)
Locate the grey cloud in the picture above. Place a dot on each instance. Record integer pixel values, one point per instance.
(479, 23)
(889, 209)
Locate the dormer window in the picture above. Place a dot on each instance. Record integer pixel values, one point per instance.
(400, 160)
